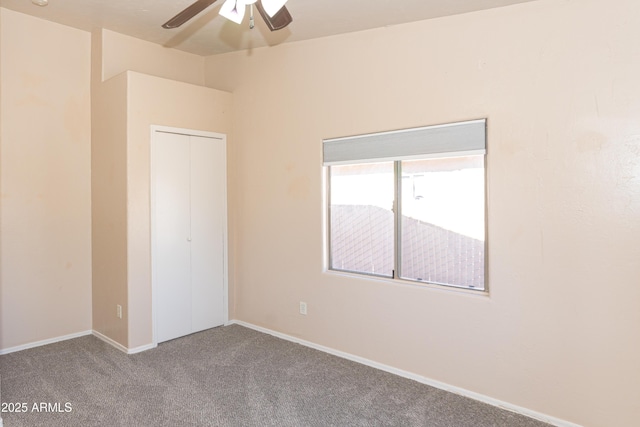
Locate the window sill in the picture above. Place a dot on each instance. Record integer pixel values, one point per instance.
(410, 283)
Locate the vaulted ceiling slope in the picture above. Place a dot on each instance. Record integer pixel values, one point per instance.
(210, 34)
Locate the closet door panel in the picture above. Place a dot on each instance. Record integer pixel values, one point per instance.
(208, 221)
(172, 232)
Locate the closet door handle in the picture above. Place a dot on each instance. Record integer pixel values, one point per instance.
(188, 239)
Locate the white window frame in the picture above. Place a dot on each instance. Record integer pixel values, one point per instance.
(458, 139)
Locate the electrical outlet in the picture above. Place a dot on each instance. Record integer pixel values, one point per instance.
(119, 311)
(303, 308)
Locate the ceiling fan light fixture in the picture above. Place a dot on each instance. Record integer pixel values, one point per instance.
(272, 6)
(233, 10)
(277, 18)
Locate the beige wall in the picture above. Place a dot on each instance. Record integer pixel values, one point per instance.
(124, 107)
(558, 82)
(109, 207)
(45, 228)
(65, 201)
(121, 53)
(1, 198)
(157, 101)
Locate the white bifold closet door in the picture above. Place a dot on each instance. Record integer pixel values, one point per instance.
(189, 229)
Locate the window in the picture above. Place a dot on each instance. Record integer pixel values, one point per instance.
(409, 204)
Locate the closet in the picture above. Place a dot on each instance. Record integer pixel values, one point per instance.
(188, 231)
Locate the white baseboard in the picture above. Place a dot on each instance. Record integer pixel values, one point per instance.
(43, 342)
(424, 380)
(120, 346)
(77, 335)
(139, 349)
(109, 341)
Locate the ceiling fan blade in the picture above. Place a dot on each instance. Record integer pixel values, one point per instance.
(281, 19)
(188, 13)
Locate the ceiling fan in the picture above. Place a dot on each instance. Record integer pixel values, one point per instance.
(274, 13)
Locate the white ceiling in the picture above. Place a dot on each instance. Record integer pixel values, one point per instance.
(209, 34)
